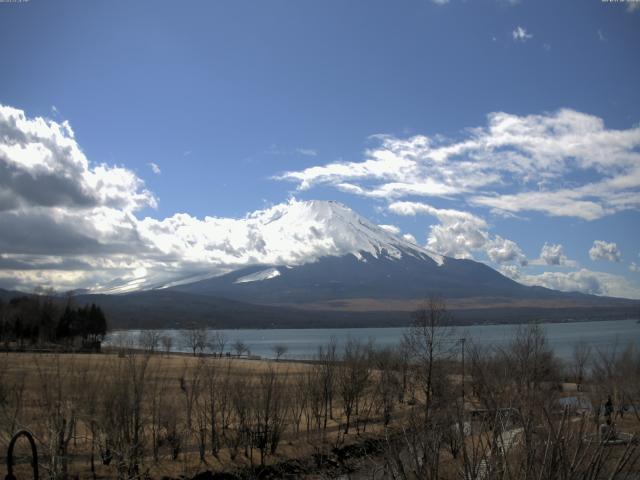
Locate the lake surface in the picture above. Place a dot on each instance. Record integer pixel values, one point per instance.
(304, 343)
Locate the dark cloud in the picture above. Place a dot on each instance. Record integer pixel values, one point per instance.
(41, 188)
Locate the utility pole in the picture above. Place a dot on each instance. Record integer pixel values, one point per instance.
(462, 341)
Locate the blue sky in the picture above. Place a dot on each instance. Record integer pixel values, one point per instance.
(236, 101)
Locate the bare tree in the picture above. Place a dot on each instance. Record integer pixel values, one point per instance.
(327, 358)
(195, 339)
(279, 350)
(353, 378)
(389, 384)
(240, 348)
(269, 412)
(428, 341)
(167, 343)
(12, 392)
(299, 399)
(581, 357)
(149, 340)
(218, 343)
(60, 412)
(121, 414)
(212, 404)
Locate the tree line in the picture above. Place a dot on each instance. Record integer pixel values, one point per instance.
(45, 320)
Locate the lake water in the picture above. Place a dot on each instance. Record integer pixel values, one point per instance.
(304, 343)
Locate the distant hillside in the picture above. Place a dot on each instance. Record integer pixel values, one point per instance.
(171, 309)
(167, 309)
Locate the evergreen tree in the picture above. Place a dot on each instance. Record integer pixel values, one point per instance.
(65, 323)
(97, 325)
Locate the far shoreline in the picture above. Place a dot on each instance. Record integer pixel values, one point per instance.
(371, 326)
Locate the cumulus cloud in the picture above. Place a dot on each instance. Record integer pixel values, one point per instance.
(584, 281)
(59, 212)
(520, 34)
(553, 254)
(502, 250)
(459, 234)
(634, 267)
(602, 250)
(41, 165)
(532, 154)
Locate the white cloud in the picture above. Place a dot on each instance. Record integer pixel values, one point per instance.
(410, 238)
(531, 155)
(41, 165)
(632, 6)
(309, 152)
(440, 2)
(601, 36)
(520, 34)
(69, 223)
(459, 234)
(155, 168)
(501, 250)
(559, 203)
(584, 281)
(553, 255)
(512, 271)
(634, 267)
(392, 229)
(602, 250)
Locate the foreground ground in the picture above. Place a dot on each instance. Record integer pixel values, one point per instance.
(362, 412)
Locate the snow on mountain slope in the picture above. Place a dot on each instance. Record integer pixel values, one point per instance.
(266, 274)
(299, 232)
(184, 249)
(292, 233)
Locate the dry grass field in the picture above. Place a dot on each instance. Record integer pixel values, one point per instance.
(73, 404)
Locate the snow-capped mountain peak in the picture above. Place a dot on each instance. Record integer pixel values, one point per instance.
(293, 233)
(308, 230)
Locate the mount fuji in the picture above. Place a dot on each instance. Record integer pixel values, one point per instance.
(320, 263)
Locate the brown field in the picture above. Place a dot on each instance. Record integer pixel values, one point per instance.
(58, 387)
